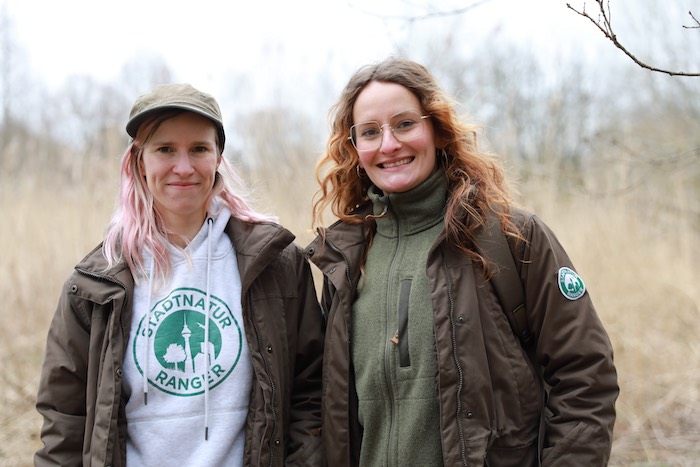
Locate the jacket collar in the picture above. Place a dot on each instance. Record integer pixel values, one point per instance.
(340, 237)
(257, 244)
(95, 265)
(411, 211)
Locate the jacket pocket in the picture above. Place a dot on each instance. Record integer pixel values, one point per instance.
(520, 456)
(565, 444)
(404, 294)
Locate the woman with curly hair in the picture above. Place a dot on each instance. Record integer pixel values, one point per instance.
(421, 365)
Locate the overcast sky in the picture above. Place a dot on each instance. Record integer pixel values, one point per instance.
(257, 53)
(206, 40)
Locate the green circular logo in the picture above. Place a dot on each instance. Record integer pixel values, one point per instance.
(180, 355)
(570, 284)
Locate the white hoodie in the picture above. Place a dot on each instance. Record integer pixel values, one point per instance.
(169, 413)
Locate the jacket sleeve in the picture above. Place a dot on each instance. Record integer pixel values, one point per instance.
(62, 386)
(305, 443)
(575, 355)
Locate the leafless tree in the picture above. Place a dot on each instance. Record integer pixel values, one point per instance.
(18, 90)
(427, 11)
(604, 23)
(5, 67)
(277, 161)
(141, 73)
(8, 78)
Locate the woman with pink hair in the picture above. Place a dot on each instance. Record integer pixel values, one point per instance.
(193, 331)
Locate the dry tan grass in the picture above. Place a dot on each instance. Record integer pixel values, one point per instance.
(647, 297)
(644, 289)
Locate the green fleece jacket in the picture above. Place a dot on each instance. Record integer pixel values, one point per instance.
(392, 340)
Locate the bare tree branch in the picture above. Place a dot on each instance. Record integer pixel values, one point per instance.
(697, 23)
(604, 24)
(426, 15)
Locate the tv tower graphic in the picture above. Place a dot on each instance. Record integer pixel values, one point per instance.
(186, 333)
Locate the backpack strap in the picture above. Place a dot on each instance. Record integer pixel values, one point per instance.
(492, 243)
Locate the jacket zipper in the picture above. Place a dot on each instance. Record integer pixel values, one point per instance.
(388, 350)
(351, 290)
(460, 372)
(110, 455)
(269, 378)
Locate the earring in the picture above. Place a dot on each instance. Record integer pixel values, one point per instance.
(358, 169)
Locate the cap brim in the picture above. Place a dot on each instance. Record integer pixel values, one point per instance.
(135, 122)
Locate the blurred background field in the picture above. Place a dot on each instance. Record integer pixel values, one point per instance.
(607, 153)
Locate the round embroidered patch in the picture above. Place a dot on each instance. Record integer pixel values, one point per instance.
(570, 284)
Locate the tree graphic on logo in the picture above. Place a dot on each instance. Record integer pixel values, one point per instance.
(573, 284)
(174, 354)
(179, 340)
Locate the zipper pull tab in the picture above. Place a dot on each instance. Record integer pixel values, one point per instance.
(395, 339)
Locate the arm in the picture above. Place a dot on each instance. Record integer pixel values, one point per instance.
(61, 395)
(305, 446)
(575, 355)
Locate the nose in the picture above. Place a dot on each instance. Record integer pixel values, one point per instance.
(182, 163)
(389, 141)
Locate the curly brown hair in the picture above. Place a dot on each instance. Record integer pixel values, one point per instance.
(477, 186)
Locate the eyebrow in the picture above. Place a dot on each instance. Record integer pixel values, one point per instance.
(392, 117)
(167, 142)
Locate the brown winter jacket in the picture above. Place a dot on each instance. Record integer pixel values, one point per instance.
(490, 394)
(80, 392)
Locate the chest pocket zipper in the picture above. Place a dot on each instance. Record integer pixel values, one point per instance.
(404, 294)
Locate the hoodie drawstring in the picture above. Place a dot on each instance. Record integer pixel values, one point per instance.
(207, 306)
(147, 331)
(206, 346)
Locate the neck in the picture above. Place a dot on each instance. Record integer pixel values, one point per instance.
(181, 230)
(414, 210)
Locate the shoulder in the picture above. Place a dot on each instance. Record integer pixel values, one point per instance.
(91, 284)
(530, 225)
(94, 266)
(252, 238)
(537, 237)
(94, 260)
(265, 246)
(522, 218)
(344, 233)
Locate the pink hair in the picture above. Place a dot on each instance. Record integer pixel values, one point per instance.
(137, 226)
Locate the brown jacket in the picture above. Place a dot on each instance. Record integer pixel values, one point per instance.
(490, 394)
(80, 392)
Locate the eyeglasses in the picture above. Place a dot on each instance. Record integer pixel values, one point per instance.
(405, 126)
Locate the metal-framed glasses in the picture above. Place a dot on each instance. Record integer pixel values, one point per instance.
(405, 126)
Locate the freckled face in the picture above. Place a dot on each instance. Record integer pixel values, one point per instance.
(179, 163)
(396, 166)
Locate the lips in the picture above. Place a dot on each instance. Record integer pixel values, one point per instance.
(182, 184)
(389, 165)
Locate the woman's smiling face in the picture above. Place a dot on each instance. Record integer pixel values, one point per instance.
(179, 163)
(396, 166)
